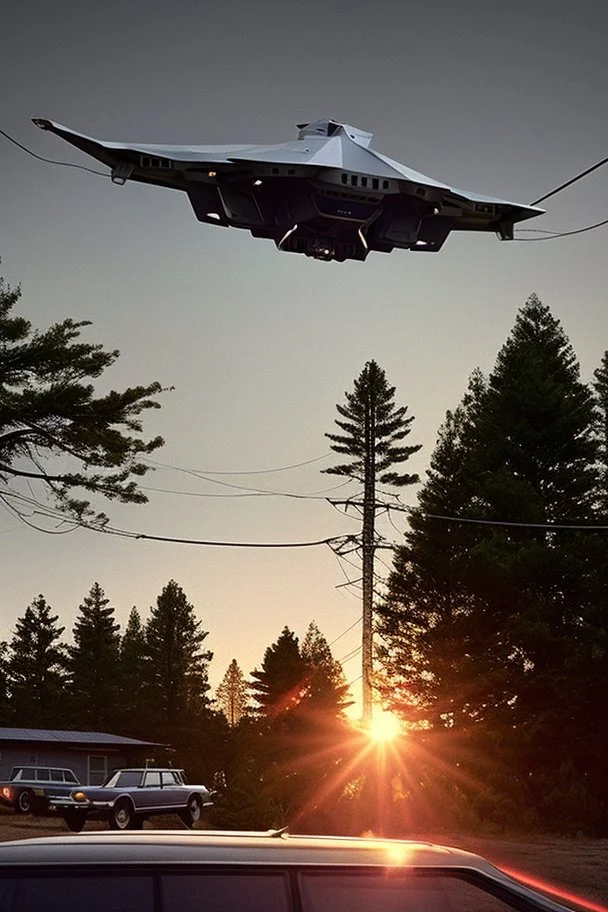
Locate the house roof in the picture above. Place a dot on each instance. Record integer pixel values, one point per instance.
(54, 736)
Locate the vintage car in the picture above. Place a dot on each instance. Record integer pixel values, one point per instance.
(130, 796)
(154, 871)
(29, 788)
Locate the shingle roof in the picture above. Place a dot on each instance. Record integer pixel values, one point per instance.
(53, 736)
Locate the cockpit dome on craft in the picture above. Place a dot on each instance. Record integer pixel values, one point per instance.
(333, 128)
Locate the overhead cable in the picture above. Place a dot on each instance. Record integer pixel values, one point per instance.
(550, 236)
(548, 527)
(247, 491)
(42, 510)
(572, 180)
(52, 161)
(285, 468)
(223, 544)
(344, 632)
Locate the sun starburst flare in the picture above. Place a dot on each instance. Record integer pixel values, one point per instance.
(385, 726)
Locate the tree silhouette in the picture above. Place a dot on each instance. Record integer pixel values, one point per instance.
(232, 694)
(53, 429)
(373, 429)
(94, 664)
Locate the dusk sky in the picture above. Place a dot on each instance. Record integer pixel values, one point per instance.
(503, 99)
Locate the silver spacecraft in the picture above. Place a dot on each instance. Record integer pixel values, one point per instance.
(326, 194)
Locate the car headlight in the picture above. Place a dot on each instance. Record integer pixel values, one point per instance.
(80, 796)
(7, 792)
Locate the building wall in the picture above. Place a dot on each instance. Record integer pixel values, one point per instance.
(90, 765)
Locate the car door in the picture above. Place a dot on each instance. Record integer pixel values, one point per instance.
(150, 793)
(175, 793)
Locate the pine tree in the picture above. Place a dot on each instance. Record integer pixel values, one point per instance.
(53, 430)
(372, 433)
(94, 664)
(496, 631)
(176, 665)
(36, 669)
(134, 716)
(327, 688)
(281, 683)
(427, 673)
(232, 694)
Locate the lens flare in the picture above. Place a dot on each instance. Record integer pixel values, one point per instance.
(553, 890)
(385, 727)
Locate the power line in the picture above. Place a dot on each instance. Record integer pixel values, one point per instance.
(49, 512)
(572, 180)
(344, 632)
(52, 161)
(350, 655)
(547, 526)
(558, 234)
(565, 527)
(295, 465)
(21, 516)
(221, 544)
(247, 491)
(108, 530)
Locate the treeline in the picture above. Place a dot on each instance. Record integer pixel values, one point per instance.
(267, 745)
(146, 682)
(495, 627)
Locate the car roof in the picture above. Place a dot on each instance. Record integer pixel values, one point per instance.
(274, 848)
(214, 847)
(149, 769)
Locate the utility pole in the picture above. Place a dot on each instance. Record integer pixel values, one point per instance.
(367, 545)
(372, 432)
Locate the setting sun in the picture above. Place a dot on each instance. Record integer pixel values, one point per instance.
(385, 726)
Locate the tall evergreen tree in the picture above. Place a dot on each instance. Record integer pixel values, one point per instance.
(492, 629)
(281, 683)
(94, 664)
(36, 669)
(302, 738)
(372, 429)
(327, 688)
(424, 621)
(176, 665)
(232, 694)
(134, 719)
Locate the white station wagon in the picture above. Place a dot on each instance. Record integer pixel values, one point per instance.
(172, 871)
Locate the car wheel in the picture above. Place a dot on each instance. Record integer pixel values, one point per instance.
(25, 801)
(192, 812)
(74, 821)
(122, 816)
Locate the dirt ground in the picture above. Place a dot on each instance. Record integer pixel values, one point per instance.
(574, 866)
